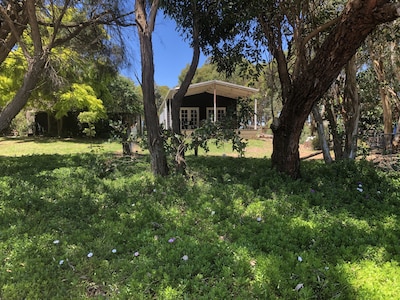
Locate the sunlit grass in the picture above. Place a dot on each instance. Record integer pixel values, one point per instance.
(99, 225)
(38, 145)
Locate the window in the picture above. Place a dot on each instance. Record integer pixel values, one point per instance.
(189, 117)
(221, 112)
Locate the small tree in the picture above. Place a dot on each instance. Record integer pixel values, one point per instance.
(145, 22)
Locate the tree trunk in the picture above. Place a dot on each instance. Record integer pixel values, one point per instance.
(35, 68)
(180, 164)
(321, 134)
(178, 97)
(358, 20)
(154, 139)
(60, 127)
(287, 131)
(337, 136)
(351, 110)
(385, 99)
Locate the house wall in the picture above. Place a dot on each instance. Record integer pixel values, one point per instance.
(205, 100)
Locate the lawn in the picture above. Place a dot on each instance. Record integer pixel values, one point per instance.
(82, 224)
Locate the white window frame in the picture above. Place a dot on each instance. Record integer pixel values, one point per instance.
(193, 123)
(210, 112)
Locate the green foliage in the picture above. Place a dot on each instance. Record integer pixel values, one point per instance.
(79, 97)
(89, 118)
(11, 74)
(236, 230)
(218, 132)
(124, 97)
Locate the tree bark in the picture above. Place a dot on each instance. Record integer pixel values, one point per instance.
(351, 110)
(178, 97)
(155, 142)
(321, 133)
(180, 164)
(31, 78)
(385, 99)
(357, 21)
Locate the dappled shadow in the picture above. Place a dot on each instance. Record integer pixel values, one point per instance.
(338, 187)
(34, 164)
(342, 213)
(247, 231)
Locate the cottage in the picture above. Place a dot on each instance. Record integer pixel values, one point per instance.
(206, 100)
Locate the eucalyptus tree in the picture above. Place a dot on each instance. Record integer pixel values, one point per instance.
(384, 59)
(145, 14)
(341, 106)
(188, 17)
(50, 24)
(283, 28)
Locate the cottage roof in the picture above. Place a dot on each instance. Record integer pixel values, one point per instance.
(221, 88)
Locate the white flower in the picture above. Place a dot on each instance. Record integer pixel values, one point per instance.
(90, 254)
(56, 242)
(185, 257)
(299, 287)
(114, 250)
(359, 189)
(259, 219)
(61, 262)
(299, 258)
(213, 213)
(136, 253)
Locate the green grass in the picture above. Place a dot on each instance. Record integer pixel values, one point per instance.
(19, 146)
(246, 231)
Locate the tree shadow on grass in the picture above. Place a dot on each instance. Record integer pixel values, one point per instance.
(337, 215)
(247, 232)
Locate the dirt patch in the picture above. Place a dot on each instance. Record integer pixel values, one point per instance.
(388, 162)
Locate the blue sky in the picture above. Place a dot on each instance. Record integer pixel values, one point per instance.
(171, 54)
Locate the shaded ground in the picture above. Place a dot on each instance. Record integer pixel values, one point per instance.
(389, 162)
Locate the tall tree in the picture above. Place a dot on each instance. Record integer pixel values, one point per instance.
(384, 62)
(52, 18)
(187, 20)
(145, 22)
(342, 107)
(304, 75)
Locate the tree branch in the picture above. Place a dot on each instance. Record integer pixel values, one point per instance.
(153, 14)
(16, 32)
(114, 20)
(35, 32)
(79, 27)
(319, 29)
(57, 23)
(278, 53)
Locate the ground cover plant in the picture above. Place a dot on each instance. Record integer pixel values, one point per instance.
(95, 225)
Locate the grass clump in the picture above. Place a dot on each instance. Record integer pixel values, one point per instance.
(90, 225)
